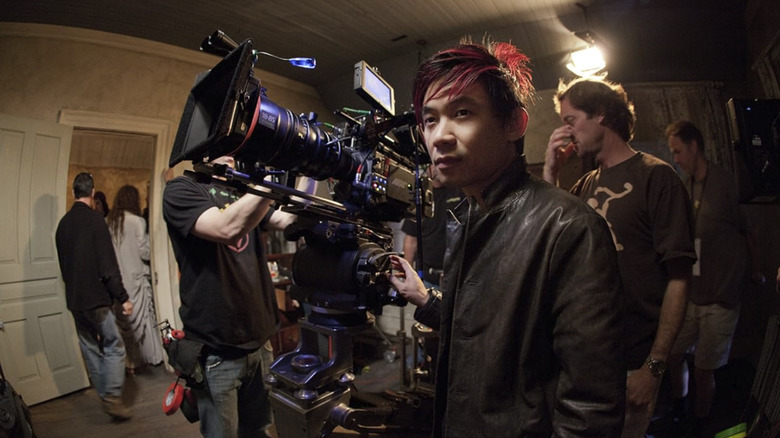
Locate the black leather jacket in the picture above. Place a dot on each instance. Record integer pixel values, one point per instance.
(530, 317)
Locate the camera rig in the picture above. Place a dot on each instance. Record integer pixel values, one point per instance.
(372, 162)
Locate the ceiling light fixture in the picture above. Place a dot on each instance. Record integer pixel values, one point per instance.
(588, 61)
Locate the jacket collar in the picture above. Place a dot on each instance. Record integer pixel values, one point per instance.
(514, 177)
(510, 180)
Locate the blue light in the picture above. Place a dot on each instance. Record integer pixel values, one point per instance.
(309, 63)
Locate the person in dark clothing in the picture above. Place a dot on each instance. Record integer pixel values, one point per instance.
(432, 236)
(228, 302)
(529, 313)
(92, 283)
(725, 245)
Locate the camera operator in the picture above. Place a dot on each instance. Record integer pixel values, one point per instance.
(227, 298)
(529, 270)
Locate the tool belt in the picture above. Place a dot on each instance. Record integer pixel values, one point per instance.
(184, 357)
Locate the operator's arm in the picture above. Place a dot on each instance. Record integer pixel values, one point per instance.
(642, 384)
(228, 225)
(279, 220)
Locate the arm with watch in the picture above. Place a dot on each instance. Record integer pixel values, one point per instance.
(407, 282)
(642, 386)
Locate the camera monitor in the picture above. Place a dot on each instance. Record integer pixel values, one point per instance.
(370, 86)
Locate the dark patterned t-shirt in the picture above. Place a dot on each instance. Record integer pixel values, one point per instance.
(649, 214)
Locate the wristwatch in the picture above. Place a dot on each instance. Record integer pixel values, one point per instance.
(656, 366)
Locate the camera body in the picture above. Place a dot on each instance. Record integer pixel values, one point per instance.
(371, 162)
(228, 113)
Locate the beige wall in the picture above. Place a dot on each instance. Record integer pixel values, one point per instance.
(46, 69)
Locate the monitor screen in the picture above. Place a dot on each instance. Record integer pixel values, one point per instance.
(370, 86)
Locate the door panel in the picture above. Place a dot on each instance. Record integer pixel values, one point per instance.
(38, 343)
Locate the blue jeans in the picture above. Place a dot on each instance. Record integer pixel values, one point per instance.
(102, 349)
(233, 401)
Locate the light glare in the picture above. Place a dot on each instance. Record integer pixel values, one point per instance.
(586, 62)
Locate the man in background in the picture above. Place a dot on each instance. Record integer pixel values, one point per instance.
(92, 283)
(648, 211)
(720, 273)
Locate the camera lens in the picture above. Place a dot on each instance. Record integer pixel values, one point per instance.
(286, 141)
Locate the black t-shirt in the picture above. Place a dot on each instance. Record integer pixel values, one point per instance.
(227, 296)
(434, 230)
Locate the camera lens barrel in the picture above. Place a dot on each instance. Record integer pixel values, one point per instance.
(287, 141)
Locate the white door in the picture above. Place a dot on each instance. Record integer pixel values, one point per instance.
(39, 348)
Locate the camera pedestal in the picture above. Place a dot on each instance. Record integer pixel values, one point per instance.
(296, 418)
(310, 382)
(313, 389)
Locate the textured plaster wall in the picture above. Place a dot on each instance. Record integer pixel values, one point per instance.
(41, 74)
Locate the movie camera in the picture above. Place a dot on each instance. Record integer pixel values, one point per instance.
(372, 163)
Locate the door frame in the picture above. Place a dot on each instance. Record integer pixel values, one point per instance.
(164, 271)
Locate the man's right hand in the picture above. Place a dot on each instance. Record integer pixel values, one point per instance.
(559, 149)
(127, 308)
(406, 281)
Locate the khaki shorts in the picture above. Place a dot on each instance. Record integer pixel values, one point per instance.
(707, 332)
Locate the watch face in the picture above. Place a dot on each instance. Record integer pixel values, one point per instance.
(656, 367)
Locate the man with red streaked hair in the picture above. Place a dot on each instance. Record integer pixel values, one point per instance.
(529, 311)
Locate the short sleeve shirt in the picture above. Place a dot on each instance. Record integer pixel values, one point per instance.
(227, 296)
(649, 214)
